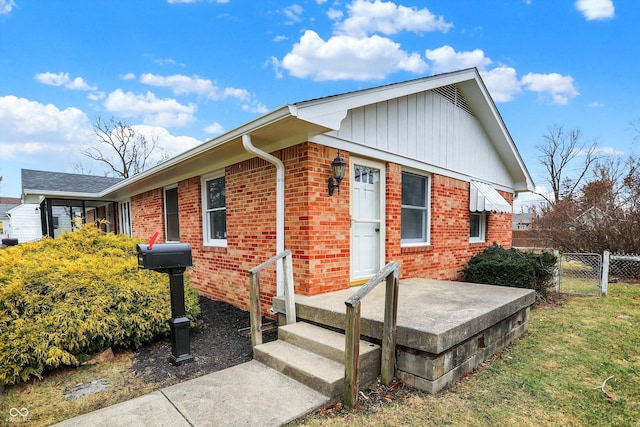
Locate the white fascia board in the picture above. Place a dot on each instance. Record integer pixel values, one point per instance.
(496, 126)
(387, 156)
(233, 134)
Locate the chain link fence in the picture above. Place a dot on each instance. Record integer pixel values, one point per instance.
(590, 274)
(580, 274)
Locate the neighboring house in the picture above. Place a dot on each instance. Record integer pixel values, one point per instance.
(431, 173)
(523, 221)
(63, 198)
(25, 223)
(7, 203)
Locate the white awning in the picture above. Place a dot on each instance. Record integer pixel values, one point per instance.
(484, 197)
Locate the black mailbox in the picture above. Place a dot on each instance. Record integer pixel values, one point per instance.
(172, 259)
(164, 256)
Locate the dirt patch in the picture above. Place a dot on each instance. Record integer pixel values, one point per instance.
(219, 340)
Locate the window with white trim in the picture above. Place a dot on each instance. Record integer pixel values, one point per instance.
(415, 208)
(477, 226)
(214, 210)
(172, 223)
(125, 217)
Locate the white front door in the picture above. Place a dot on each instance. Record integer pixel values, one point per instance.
(367, 218)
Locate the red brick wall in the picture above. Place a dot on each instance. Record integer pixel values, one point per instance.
(147, 214)
(317, 227)
(450, 248)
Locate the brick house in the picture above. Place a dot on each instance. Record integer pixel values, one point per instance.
(431, 173)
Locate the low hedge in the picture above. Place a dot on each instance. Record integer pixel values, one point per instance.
(66, 298)
(512, 267)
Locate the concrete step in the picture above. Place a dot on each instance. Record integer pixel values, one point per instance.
(326, 342)
(314, 356)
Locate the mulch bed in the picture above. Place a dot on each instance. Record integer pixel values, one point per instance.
(219, 340)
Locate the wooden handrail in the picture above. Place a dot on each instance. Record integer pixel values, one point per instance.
(255, 313)
(391, 274)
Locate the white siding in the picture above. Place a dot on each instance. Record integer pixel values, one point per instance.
(428, 128)
(25, 223)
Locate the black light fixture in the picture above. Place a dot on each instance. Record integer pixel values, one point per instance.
(338, 167)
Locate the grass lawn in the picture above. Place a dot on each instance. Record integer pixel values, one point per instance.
(554, 376)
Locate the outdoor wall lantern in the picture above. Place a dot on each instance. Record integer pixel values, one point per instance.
(338, 166)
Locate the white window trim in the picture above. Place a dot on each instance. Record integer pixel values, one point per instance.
(166, 223)
(483, 227)
(220, 243)
(412, 243)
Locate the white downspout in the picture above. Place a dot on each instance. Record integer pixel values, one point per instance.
(246, 142)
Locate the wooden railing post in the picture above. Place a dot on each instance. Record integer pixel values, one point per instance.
(390, 273)
(388, 361)
(289, 298)
(255, 315)
(352, 355)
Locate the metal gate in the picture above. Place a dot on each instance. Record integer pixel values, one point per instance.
(580, 274)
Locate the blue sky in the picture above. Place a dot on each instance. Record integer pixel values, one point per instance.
(186, 70)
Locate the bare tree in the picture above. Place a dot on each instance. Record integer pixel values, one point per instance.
(121, 148)
(558, 151)
(603, 214)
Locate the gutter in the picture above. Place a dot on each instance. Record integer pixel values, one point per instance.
(246, 142)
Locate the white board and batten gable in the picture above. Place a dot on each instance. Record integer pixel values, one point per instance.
(445, 124)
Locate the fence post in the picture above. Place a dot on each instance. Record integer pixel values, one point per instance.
(605, 272)
(556, 278)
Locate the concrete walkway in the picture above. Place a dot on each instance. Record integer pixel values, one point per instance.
(250, 394)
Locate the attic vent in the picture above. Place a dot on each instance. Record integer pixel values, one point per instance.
(453, 95)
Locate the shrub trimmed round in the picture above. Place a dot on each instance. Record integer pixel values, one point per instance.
(64, 299)
(512, 267)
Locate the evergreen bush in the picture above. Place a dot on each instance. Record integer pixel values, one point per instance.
(512, 267)
(66, 298)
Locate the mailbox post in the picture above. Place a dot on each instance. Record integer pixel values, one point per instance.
(172, 259)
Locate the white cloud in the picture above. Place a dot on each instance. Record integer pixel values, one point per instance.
(561, 88)
(63, 79)
(29, 127)
(595, 104)
(293, 13)
(6, 6)
(168, 143)
(502, 83)
(344, 57)
(335, 14)
(595, 9)
(255, 107)
(366, 17)
(182, 85)
(154, 111)
(214, 128)
(128, 76)
(446, 59)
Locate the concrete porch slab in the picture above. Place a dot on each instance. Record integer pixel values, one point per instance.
(444, 329)
(433, 315)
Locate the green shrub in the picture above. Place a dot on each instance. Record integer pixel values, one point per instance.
(511, 267)
(66, 298)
